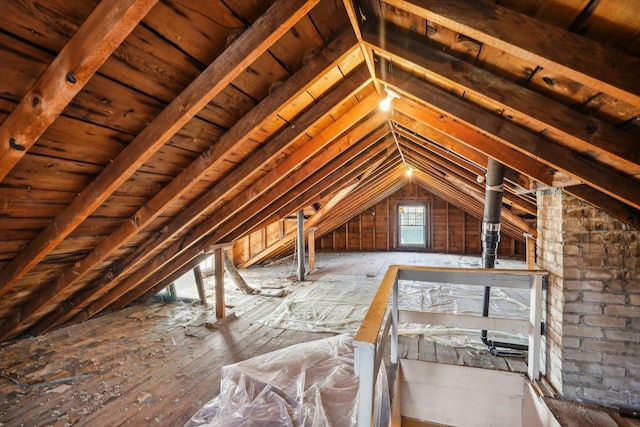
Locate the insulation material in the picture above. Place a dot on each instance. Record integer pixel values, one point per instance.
(325, 306)
(332, 306)
(309, 384)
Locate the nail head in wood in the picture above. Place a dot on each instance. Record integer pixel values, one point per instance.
(71, 78)
(16, 146)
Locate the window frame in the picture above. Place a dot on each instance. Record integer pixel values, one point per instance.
(425, 225)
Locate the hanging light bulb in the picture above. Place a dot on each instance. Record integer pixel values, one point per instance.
(409, 171)
(385, 104)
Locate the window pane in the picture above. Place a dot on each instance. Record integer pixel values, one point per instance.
(412, 225)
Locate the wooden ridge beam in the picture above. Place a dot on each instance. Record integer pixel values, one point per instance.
(533, 110)
(536, 41)
(94, 42)
(210, 159)
(595, 174)
(433, 150)
(233, 61)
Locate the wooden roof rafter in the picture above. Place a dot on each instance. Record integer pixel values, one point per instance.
(241, 224)
(535, 147)
(323, 218)
(528, 108)
(94, 42)
(209, 160)
(451, 172)
(245, 50)
(133, 262)
(528, 38)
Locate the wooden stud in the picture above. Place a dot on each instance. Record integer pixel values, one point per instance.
(218, 265)
(312, 248)
(300, 243)
(202, 293)
(531, 251)
(446, 227)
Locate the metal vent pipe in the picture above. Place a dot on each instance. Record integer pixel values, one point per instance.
(490, 240)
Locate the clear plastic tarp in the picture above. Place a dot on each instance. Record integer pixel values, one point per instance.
(309, 384)
(336, 306)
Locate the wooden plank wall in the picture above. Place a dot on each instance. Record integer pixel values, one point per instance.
(451, 230)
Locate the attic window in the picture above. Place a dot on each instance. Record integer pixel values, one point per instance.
(412, 225)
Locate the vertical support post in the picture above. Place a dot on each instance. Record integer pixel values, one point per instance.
(535, 314)
(312, 248)
(171, 291)
(300, 245)
(531, 251)
(247, 248)
(394, 322)
(197, 274)
(364, 360)
(218, 261)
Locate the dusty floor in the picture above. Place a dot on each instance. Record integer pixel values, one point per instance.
(158, 363)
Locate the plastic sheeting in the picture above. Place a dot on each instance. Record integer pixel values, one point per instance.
(336, 306)
(309, 384)
(325, 306)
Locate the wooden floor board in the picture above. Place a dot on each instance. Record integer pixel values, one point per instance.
(158, 363)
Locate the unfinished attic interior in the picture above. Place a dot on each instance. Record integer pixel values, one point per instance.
(140, 139)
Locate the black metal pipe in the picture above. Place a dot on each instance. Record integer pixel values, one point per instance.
(490, 240)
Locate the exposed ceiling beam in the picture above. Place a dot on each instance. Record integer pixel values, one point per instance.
(94, 42)
(247, 220)
(546, 45)
(366, 53)
(529, 109)
(275, 22)
(451, 171)
(286, 93)
(134, 262)
(465, 141)
(536, 147)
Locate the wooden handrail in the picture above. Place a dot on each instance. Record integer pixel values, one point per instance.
(370, 340)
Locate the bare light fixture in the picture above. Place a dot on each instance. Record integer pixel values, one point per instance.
(385, 104)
